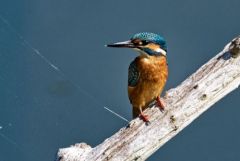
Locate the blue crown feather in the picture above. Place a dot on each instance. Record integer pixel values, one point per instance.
(151, 37)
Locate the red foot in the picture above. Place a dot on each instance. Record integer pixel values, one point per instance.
(160, 103)
(144, 117)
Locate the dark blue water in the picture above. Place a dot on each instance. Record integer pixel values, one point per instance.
(56, 75)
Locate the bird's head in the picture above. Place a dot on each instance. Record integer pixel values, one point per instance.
(146, 43)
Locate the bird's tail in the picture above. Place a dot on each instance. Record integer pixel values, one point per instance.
(135, 112)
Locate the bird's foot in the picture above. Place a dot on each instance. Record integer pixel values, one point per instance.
(160, 103)
(144, 117)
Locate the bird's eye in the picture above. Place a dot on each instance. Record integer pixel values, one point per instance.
(137, 42)
(144, 42)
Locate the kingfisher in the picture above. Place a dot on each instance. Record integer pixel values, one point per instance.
(147, 73)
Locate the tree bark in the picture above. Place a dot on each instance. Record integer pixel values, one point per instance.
(215, 79)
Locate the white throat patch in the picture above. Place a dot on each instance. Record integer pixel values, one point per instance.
(140, 51)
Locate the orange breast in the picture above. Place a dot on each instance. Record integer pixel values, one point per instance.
(153, 76)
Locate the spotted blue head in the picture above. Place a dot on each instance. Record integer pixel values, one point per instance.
(146, 43)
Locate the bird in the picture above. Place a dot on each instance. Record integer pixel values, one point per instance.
(147, 73)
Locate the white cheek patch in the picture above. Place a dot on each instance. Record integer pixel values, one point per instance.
(159, 50)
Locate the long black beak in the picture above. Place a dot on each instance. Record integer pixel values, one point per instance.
(124, 44)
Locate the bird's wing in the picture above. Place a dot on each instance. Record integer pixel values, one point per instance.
(133, 74)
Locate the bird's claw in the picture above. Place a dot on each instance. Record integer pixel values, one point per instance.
(160, 103)
(144, 118)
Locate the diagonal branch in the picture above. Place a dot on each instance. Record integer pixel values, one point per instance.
(215, 79)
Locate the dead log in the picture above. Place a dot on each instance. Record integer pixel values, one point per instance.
(215, 79)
